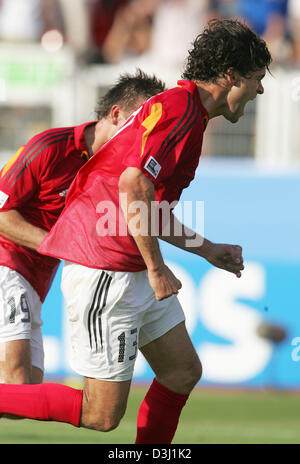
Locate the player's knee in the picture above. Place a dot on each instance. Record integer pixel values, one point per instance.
(197, 372)
(192, 375)
(109, 425)
(102, 423)
(101, 417)
(183, 379)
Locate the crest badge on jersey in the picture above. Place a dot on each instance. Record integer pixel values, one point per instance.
(153, 167)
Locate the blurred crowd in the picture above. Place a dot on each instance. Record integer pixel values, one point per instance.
(160, 31)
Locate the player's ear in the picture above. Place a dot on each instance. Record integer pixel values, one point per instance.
(232, 77)
(115, 114)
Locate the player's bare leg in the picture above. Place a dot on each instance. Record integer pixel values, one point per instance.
(37, 375)
(103, 404)
(178, 369)
(15, 363)
(176, 364)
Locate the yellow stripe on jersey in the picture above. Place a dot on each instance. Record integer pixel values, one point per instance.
(150, 122)
(11, 161)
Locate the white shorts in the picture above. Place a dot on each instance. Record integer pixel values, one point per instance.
(111, 315)
(20, 314)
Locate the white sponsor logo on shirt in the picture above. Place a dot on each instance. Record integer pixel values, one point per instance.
(153, 167)
(3, 198)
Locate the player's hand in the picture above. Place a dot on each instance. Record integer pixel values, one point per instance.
(163, 282)
(227, 257)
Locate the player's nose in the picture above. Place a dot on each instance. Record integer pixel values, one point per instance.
(260, 89)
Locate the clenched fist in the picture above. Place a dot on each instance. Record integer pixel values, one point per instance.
(163, 282)
(227, 257)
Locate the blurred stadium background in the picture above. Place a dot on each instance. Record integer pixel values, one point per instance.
(57, 57)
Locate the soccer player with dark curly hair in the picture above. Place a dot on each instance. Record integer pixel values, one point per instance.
(121, 296)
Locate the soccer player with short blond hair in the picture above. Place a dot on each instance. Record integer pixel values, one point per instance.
(33, 187)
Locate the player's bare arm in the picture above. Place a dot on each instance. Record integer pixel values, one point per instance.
(138, 188)
(224, 256)
(15, 228)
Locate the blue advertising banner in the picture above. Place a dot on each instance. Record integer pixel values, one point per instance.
(228, 318)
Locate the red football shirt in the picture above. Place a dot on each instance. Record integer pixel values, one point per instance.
(163, 138)
(35, 183)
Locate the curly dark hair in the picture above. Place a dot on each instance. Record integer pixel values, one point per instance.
(224, 45)
(127, 90)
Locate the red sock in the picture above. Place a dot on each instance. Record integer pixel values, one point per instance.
(158, 415)
(47, 402)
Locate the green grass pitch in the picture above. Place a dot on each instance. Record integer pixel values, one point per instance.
(210, 417)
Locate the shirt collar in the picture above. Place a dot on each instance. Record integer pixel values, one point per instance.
(79, 139)
(191, 87)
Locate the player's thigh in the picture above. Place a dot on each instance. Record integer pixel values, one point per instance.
(20, 334)
(104, 403)
(37, 375)
(15, 361)
(37, 355)
(174, 360)
(165, 343)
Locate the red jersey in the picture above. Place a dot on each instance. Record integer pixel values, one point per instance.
(163, 138)
(35, 183)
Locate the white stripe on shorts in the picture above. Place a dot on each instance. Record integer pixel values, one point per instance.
(94, 314)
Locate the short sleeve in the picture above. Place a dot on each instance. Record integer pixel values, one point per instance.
(161, 129)
(19, 177)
